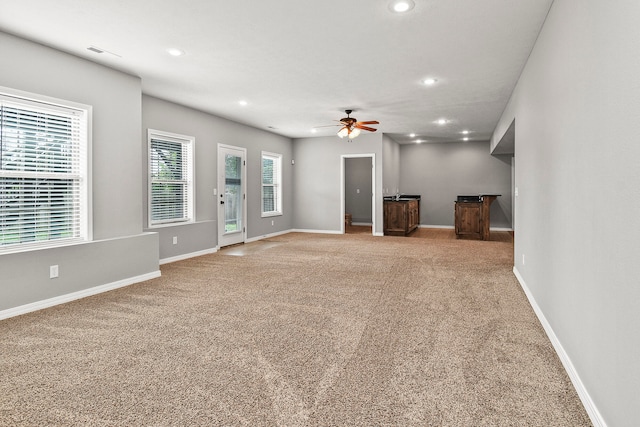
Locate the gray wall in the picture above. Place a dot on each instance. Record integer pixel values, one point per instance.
(576, 107)
(317, 181)
(440, 172)
(390, 166)
(25, 275)
(357, 188)
(209, 131)
(117, 188)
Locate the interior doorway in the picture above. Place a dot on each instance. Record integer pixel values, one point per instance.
(358, 193)
(231, 198)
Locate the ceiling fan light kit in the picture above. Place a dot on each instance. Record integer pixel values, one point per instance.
(351, 127)
(343, 132)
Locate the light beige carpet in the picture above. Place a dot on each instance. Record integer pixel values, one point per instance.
(298, 330)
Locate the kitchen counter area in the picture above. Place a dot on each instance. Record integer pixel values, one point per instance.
(402, 197)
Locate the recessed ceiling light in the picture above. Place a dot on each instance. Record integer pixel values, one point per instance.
(314, 130)
(412, 135)
(400, 6)
(465, 138)
(465, 132)
(429, 81)
(243, 103)
(175, 52)
(441, 121)
(419, 141)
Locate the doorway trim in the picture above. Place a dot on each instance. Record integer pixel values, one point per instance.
(220, 186)
(343, 158)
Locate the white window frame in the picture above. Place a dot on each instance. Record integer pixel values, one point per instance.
(277, 184)
(188, 144)
(80, 220)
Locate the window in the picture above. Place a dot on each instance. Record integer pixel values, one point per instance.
(170, 178)
(44, 180)
(271, 184)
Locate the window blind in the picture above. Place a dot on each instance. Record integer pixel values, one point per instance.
(271, 190)
(170, 169)
(42, 163)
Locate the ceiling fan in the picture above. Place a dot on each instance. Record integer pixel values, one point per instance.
(351, 127)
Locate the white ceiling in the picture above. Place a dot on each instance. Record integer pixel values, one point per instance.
(300, 64)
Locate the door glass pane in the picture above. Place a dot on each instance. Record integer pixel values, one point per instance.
(233, 194)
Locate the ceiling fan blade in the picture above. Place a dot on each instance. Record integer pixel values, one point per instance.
(366, 128)
(373, 122)
(327, 126)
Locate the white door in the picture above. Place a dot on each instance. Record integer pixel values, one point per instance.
(231, 195)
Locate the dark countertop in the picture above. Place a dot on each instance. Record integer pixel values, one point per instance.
(475, 199)
(403, 198)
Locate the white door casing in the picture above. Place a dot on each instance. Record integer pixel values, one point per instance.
(231, 198)
(343, 158)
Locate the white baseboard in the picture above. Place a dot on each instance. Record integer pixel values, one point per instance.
(189, 255)
(587, 402)
(304, 230)
(266, 236)
(39, 305)
(451, 227)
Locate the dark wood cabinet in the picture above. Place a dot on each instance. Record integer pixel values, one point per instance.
(401, 217)
(472, 219)
(468, 217)
(414, 215)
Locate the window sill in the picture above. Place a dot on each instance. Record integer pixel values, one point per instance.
(270, 214)
(169, 224)
(42, 246)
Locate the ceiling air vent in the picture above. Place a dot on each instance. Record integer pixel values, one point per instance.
(95, 49)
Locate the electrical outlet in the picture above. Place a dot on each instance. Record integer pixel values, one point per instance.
(53, 271)
(272, 222)
(522, 259)
(175, 240)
